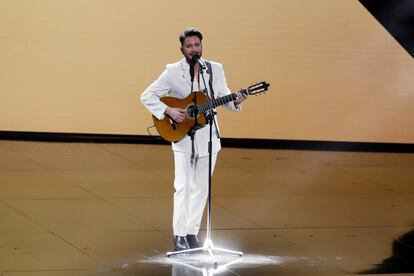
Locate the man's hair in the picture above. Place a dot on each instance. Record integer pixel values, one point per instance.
(190, 32)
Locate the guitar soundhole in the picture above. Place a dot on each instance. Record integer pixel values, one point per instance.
(191, 111)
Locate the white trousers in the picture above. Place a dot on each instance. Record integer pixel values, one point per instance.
(191, 192)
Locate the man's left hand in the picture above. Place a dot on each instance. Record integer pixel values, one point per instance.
(240, 97)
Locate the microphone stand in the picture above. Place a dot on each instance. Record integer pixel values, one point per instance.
(208, 243)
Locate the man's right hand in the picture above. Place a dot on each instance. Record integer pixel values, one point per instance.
(177, 114)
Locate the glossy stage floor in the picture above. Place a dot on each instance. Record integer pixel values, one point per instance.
(105, 209)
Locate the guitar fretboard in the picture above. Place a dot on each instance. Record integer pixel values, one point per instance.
(211, 104)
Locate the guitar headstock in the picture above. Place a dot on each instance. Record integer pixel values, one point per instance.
(258, 88)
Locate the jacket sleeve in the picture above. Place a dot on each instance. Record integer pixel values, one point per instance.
(150, 98)
(222, 88)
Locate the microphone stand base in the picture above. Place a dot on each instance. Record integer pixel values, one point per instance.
(207, 247)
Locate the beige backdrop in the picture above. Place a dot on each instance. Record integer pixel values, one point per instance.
(80, 65)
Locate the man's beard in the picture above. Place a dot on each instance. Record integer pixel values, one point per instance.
(191, 60)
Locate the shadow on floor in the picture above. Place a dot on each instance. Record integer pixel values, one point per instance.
(401, 260)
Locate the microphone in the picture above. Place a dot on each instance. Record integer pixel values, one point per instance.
(197, 59)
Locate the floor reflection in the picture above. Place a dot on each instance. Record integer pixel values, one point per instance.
(219, 264)
(181, 267)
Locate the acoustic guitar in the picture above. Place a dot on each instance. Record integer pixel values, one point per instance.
(196, 105)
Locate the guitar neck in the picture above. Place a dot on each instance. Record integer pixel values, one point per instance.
(211, 104)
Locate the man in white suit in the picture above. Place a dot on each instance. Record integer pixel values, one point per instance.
(190, 155)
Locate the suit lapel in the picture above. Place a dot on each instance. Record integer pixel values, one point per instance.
(185, 70)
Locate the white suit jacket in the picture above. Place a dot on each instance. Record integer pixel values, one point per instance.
(175, 81)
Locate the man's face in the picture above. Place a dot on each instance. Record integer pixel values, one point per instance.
(191, 46)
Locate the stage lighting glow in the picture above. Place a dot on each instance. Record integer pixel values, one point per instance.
(188, 264)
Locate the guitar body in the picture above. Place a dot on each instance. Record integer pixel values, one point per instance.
(171, 131)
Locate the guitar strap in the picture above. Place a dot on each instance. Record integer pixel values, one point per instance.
(210, 81)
